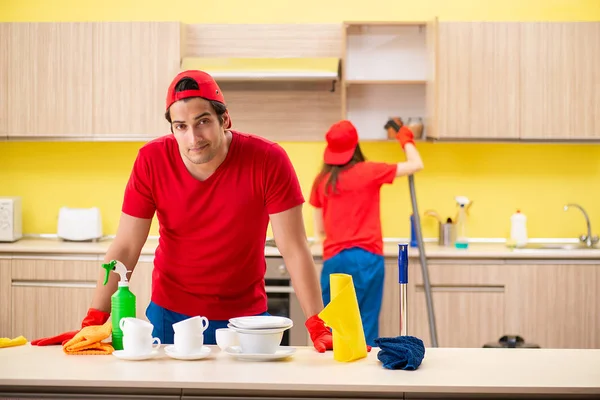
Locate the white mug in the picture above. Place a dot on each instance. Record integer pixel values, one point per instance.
(135, 326)
(188, 343)
(226, 337)
(194, 325)
(139, 344)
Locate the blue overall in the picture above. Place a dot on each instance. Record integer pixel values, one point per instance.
(163, 321)
(367, 271)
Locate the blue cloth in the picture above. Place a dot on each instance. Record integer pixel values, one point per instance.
(402, 352)
(163, 321)
(367, 271)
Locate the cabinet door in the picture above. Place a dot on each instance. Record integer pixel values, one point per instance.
(4, 33)
(477, 76)
(133, 66)
(141, 285)
(51, 296)
(560, 80)
(50, 79)
(468, 304)
(5, 298)
(555, 305)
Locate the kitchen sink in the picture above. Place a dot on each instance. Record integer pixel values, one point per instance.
(556, 246)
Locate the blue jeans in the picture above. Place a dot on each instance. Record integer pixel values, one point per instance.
(163, 321)
(367, 271)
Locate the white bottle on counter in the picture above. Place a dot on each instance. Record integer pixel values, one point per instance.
(518, 229)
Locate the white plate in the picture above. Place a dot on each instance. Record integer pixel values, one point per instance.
(281, 353)
(122, 354)
(258, 331)
(171, 352)
(261, 322)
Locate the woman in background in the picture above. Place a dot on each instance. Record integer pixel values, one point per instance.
(346, 198)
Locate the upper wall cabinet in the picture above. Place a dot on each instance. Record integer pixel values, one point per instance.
(279, 80)
(385, 70)
(560, 80)
(134, 64)
(517, 81)
(49, 79)
(477, 76)
(96, 81)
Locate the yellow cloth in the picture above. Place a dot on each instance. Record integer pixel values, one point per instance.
(342, 315)
(18, 341)
(88, 341)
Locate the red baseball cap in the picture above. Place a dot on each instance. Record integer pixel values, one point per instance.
(207, 89)
(342, 139)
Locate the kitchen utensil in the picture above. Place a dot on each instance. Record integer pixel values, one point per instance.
(226, 337)
(172, 352)
(416, 126)
(434, 214)
(281, 353)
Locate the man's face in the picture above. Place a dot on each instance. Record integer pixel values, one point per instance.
(197, 129)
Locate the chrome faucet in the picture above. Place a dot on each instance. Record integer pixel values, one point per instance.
(588, 239)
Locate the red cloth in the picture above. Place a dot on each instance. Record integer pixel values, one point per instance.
(93, 317)
(210, 257)
(351, 217)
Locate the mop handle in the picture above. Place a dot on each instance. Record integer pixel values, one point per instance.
(403, 281)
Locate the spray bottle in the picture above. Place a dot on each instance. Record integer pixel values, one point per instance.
(122, 302)
(462, 237)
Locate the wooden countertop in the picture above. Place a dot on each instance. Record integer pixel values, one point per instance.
(444, 370)
(38, 246)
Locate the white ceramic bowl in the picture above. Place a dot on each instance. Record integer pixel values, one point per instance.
(259, 343)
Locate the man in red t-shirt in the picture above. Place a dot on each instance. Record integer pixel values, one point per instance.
(346, 199)
(214, 191)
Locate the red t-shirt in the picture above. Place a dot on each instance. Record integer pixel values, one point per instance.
(351, 217)
(210, 258)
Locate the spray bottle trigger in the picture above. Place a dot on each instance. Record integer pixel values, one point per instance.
(108, 267)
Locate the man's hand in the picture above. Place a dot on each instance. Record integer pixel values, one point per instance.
(93, 317)
(319, 334)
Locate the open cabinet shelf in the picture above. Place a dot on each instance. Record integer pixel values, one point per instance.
(385, 72)
(370, 106)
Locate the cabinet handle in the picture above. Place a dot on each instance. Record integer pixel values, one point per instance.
(56, 284)
(279, 289)
(449, 288)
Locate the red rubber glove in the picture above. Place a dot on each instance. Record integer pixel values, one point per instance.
(321, 335)
(93, 317)
(405, 136)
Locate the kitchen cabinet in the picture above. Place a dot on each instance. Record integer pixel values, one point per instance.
(551, 303)
(386, 69)
(560, 80)
(463, 296)
(133, 65)
(4, 32)
(141, 285)
(49, 79)
(516, 81)
(5, 298)
(94, 81)
(477, 80)
(555, 304)
(50, 295)
(43, 296)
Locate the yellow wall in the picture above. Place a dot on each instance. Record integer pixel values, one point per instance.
(538, 179)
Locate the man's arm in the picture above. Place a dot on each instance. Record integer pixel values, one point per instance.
(127, 246)
(290, 236)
